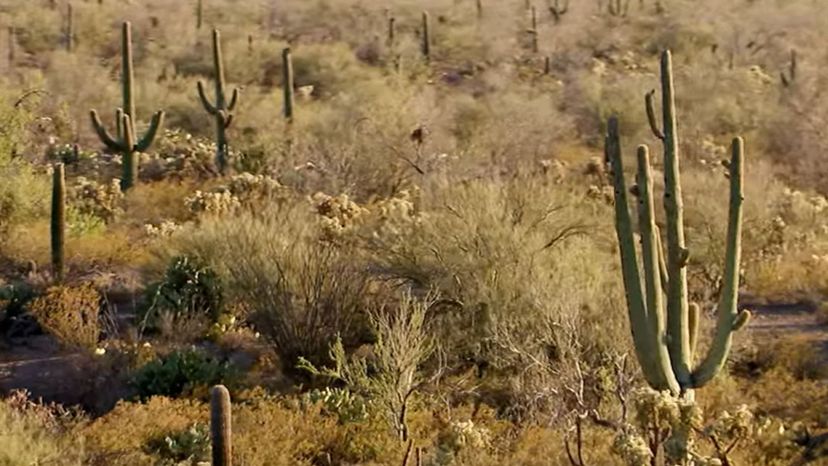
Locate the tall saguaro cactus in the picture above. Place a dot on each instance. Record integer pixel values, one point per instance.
(199, 13)
(664, 324)
(533, 29)
(221, 430)
(425, 47)
(58, 222)
(287, 77)
(125, 139)
(222, 111)
(70, 28)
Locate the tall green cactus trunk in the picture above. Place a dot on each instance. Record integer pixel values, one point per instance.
(125, 140)
(287, 78)
(221, 431)
(70, 28)
(664, 330)
(222, 111)
(426, 39)
(58, 221)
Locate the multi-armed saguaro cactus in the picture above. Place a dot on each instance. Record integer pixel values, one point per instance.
(618, 7)
(125, 139)
(222, 111)
(58, 224)
(558, 9)
(287, 77)
(221, 431)
(665, 350)
(425, 47)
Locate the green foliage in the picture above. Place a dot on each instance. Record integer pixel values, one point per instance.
(341, 403)
(189, 289)
(181, 372)
(188, 446)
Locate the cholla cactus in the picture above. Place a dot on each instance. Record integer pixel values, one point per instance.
(101, 200)
(666, 350)
(339, 213)
(212, 203)
(164, 229)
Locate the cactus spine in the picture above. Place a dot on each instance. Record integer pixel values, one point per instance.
(287, 70)
(220, 426)
(426, 45)
(665, 349)
(125, 139)
(222, 111)
(58, 223)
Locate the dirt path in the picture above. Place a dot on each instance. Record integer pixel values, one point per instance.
(775, 321)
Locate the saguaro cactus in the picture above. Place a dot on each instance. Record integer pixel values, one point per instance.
(533, 30)
(557, 9)
(199, 13)
(665, 350)
(12, 44)
(426, 44)
(70, 28)
(221, 431)
(788, 80)
(222, 111)
(58, 223)
(392, 30)
(287, 77)
(125, 139)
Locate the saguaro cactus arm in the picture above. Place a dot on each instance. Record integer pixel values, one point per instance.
(156, 124)
(115, 144)
(205, 101)
(677, 255)
(729, 318)
(649, 347)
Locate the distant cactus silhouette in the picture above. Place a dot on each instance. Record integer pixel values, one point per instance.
(58, 223)
(125, 139)
(223, 108)
(426, 38)
(287, 75)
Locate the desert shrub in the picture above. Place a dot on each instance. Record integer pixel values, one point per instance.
(31, 435)
(297, 292)
(341, 403)
(182, 372)
(70, 314)
(189, 289)
(191, 445)
(392, 377)
(98, 200)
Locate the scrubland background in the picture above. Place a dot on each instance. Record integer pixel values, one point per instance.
(449, 222)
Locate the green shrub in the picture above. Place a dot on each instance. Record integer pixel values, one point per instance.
(182, 372)
(189, 289)
(188, 446)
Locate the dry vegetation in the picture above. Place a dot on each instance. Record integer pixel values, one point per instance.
(424, 257)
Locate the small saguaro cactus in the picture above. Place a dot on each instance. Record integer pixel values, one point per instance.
(479, 5)
(58, 222)
(618, 7)
(392, 30)
(558, 9)
(425, 47)
(788, 80)
(12, 44)
(125, 140)
(199, 13)
(222, 111)
(666, 350)
(533, 29)
(69, 32)
(287, 77)
(221, 429)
